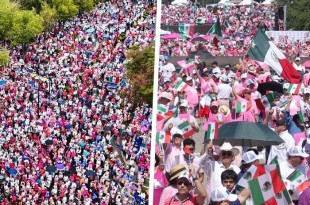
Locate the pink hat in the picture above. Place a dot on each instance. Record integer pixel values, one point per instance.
(215, 103)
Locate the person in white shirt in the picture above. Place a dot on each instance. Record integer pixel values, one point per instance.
(298, 66)
(168, 70)
(295, 156)
(224, 91)
(214, 169)
(281, 149)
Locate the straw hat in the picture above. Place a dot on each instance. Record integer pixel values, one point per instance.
(224, 109)
(176, 171)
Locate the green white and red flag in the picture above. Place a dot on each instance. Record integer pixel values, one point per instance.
(294, 89)
(298, 181)
(180, 86)
(266, 186)
(186, 129)
(264, 50)
(163, 137)
(242, 107)
(212, 132)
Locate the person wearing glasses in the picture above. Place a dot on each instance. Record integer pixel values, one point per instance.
(214, 169)
(189, 158)
(295, 157)
(187, 181)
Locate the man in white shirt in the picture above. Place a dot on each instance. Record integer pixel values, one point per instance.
(168, 70)
(281, 149)
(224, 91)
(295, 156)
(214, 169)
(298, 66)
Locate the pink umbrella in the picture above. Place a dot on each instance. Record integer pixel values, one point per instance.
(172, 36)
(306, 64)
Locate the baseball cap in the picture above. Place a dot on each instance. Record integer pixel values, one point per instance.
(184, 103)
(165, 95)
(281, 122)
(297, 59)
(221, 194)
(185, 174)
(297, 151)
(215, 103)
(244, 75)
(249, 157)
(176, 131)
(188, 78)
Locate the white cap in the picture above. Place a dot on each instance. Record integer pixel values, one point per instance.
(244, 75)
(308, 135)
(276, 78)
(250, 81)
(306, 90)
(297, 59)
(166, 95)
(184, 103)
(175, 131)
(249, 157)
(297, 151)
(224, 78)
(221, 194)
(188, 78)
(217, 75)
(185, 174)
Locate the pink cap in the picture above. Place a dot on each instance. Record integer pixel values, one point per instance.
(215, 103)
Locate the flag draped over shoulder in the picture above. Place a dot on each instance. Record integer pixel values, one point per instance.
(264, 50)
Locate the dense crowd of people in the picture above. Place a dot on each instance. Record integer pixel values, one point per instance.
(196, 98)
(239, 24)
(69, 133)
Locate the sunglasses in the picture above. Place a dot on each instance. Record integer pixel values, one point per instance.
(226, 153)
(186, 183)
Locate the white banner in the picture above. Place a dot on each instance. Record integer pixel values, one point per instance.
(291, 36)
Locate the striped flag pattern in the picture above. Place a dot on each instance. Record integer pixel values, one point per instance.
(186, 129)
(242, 107)
(293, 89)
(212, 132)
(163, 137)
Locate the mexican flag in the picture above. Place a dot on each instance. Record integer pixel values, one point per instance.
(293, 89)
(303, 115)
(161, 111)
(186, 29)
(242, 107)
(298, 181)
(204, 106)
(268, 100)
(163, 137)
(212, 132)
(172, 113)
(264, 50)
(252, 173)
(281, 198)
(217, 31)
(266, 186)
(186, 129)
(180, 86)
(276, 162)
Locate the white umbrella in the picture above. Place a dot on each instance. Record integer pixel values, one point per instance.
(246, 2)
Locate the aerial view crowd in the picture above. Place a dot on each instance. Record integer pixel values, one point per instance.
(69, 131)
(228, 130)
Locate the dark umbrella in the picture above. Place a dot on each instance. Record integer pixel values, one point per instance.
(89, 173)
(272, 86)
(48, 142)
(51, 168)
(247, 134)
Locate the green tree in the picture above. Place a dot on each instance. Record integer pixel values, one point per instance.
(48, 14)
(7, 13)
(30, 4)
(298, 14)
(4, 57)
(140, 71)
(66, 9)
(84, 5)
(26, 25)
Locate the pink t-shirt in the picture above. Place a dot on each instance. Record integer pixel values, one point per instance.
(160, 182)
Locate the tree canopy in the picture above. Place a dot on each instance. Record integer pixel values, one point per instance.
(298, 14)
(140, 71)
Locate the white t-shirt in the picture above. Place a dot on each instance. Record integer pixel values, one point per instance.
(167, 70)
(224, 90)
(281, 149)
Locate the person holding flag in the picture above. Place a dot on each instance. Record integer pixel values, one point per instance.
(293, 170)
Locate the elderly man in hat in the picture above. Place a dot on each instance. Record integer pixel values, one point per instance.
(214, 169)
